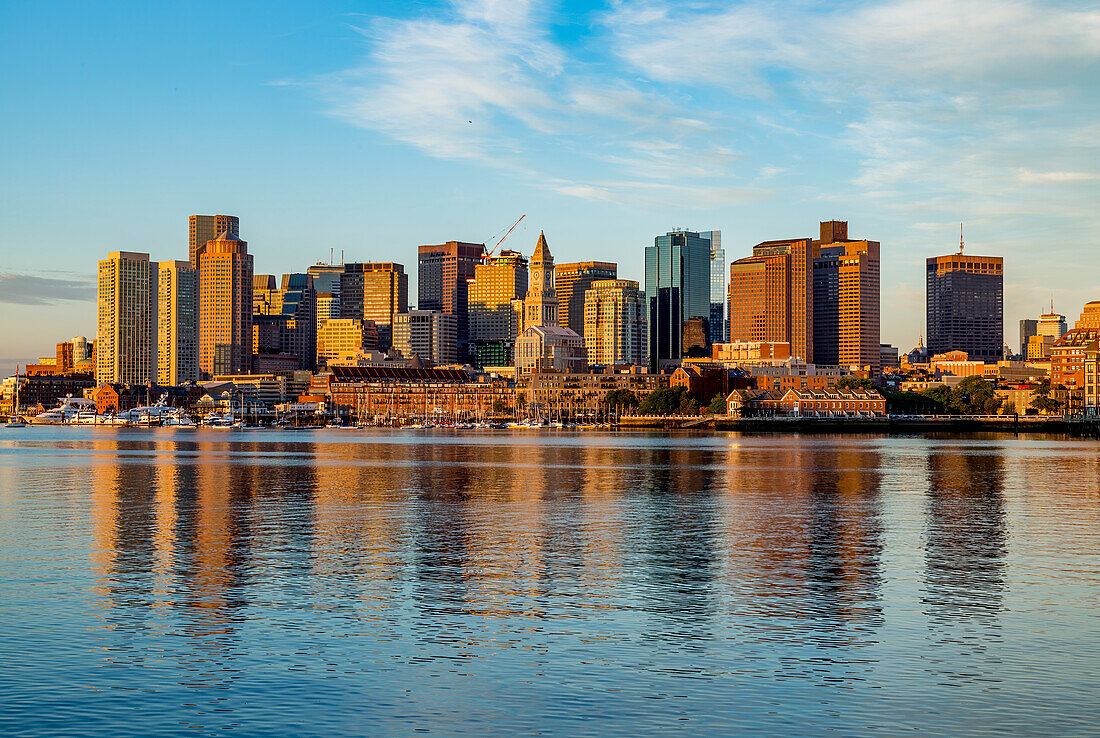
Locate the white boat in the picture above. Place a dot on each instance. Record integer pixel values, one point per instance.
(178, 420)
(15, 421)
(220, 421)
(66, 412)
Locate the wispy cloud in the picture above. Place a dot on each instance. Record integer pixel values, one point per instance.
(32, 289)
(487, 81)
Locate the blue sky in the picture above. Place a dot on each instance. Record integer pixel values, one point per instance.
(373, 127)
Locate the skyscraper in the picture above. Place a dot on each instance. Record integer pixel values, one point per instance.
(615, 322)
(677, 286)
(717, 324)
(846, 299)
(571, 282)
(541, 304)
(771, 296)
(177, 323)
(375, 291)
(225, 306)
(126, 343)
(1028, 328)
(965, 305)
(494, 326)
(205, 228)
(326, 281)
(443, 281)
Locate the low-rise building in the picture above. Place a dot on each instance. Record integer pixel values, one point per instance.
(392, 393)
(751, 351)
(807, 403)
(584, 392)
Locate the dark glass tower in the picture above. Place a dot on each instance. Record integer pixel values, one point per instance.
(677, 286)
(965, 303)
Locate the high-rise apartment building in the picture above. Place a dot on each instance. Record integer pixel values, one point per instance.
(177, 323)
(205, 228)
(498, 281)
(846, 299)
(1090, 316)
(965, 305)
(375, 291)
(571, 282)
(443, 276)
(615, 322)
(677, 287)
(126, 341)
(429, 335)
(771, 296)
(717, 324)
(225, 306)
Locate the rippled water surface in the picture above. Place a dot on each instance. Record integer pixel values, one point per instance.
(335, 582)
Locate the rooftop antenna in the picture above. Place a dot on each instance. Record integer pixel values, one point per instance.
(960, 238)
(341, 257)
(331, 251)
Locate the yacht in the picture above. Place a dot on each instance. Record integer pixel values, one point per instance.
(66, 412)
(15, 420)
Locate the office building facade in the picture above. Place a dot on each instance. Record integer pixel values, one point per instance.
(498, 282)
(846, 299)
(717, 324)
(677, 279)
(965, 305)
(203, 228)
(429, 335)
(571, 282)
(375, 291)
(225, 306)
(443, 275)
(771, 296)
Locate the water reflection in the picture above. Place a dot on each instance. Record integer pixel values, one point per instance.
(703, 569)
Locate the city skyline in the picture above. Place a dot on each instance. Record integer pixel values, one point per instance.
(907, 161)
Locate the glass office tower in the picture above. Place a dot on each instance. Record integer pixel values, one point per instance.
(678, 288)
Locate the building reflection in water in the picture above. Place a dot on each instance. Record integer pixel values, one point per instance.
(965, 543)
(804, 537)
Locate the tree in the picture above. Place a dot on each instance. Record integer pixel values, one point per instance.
(499, 406)
(668, 401)
(854, 383)
(621, 398)
(1041, 399)
(717, 404)
(973, 396)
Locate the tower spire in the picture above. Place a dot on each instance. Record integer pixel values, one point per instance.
(960, 238)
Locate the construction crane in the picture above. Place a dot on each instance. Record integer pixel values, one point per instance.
(499, 242)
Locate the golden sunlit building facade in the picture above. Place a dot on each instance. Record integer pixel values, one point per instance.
(126, 343)
(177, 323)
(225, 306)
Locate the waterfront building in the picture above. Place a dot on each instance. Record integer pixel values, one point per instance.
(703, 380)
(345, 340)
(1067, 358)
(443, 277)
(717, 324)
(557, 393)
(177, 323)
(771, 296)
(429, 335)
(828, 403)
(544, 345)
(846, 299)
(1091, 376)
(203, 228)
(965, 305)
(375, 291)
(677, 287)
(396, 393)
(126, 343)
(614, 322)
(571, 283)
(42, 392)
(225, 306)
(499, 281)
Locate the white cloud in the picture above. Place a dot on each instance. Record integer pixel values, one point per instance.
(1029, 177)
